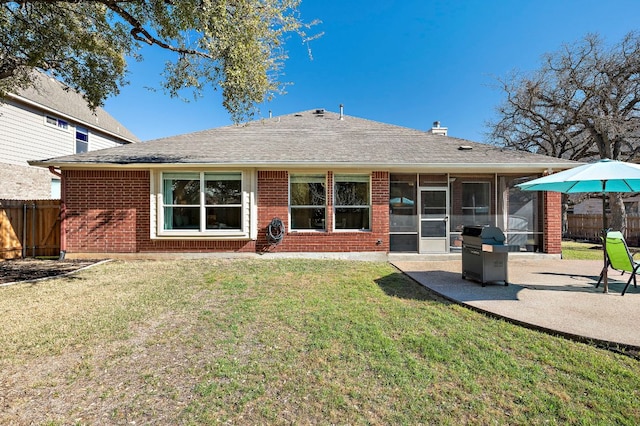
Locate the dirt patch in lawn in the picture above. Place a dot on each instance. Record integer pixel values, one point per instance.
(33, 269)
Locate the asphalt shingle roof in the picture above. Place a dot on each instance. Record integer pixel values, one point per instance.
(313, 138)
(53, 95)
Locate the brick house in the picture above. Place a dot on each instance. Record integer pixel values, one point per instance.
(46, 121)
(337, 183)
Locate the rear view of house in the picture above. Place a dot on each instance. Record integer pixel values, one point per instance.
(45, 121)
(336, 183)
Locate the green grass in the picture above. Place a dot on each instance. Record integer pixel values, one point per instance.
(581, 251)
(287, 342)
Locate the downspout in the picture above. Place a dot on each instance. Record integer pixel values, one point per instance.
(63, 213)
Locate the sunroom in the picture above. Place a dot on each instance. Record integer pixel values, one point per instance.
(428, 211)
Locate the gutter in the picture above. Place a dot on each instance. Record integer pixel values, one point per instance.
(431, 167)
(63, 212)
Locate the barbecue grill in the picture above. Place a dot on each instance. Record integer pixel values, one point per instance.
(485, 255)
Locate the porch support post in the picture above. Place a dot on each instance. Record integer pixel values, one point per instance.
(552, 222)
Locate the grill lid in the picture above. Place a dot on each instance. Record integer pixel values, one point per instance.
(487, 233)
(472, 230)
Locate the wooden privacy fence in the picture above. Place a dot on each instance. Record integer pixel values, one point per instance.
(29, 228)
(589, 227)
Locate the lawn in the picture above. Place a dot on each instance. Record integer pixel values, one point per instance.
(586, 251)
(286, 342)
(581, 251)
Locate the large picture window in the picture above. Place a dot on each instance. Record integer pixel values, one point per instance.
(352, 202)
(307, 201)
(202, 201)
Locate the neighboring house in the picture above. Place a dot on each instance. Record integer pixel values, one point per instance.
(593, 205)
(337, 183)
(47, 121)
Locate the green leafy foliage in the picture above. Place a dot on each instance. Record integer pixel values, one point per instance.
(235, 46)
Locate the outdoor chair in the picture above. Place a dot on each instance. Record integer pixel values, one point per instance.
(620, 258)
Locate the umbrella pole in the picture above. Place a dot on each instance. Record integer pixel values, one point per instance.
(604, 244)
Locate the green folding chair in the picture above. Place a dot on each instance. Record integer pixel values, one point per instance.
(620, 258)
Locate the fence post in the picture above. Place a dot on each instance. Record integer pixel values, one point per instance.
(33, 229)
(24, 230)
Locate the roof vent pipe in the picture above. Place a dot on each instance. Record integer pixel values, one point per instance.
(270, 114)
(341, 112)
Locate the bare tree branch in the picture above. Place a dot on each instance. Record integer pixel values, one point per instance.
(582, 104)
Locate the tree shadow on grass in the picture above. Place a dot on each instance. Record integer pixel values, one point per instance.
(400, 286)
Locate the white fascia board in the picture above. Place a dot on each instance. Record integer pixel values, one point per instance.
(426, 167)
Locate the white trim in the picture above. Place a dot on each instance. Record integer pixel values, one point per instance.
(83, 131)
(324, 206)
(253, 206)
(247, 205)
(66, 128)
(368, 206)
(536, 168)
(154, 202)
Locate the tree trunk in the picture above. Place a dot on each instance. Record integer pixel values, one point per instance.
(617, 220)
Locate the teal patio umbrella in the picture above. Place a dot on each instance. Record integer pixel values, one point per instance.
(602, 176)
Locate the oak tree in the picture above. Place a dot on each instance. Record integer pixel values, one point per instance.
(583, 103)
(235, 46)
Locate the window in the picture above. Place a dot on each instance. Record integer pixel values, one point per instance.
(55, 189)
(307, 201)
(521, 223)
(223, 200)
(82, 140)
(352, 206)
(56, 122)
(476, 202)
(202, 201)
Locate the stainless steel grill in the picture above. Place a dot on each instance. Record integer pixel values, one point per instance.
(485, 255)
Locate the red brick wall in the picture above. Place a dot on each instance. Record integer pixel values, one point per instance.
(108, 212)
(103, 210)
(273, 201)
(552, 224)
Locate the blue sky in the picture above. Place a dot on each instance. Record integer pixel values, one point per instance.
(407, 63)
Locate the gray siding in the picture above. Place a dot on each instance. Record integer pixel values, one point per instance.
(26, 136)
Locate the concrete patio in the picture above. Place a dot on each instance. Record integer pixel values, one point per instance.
(549, 294)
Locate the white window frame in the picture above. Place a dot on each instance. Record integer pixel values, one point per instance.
(82, 131)
(202, 231)
(58, 123)
(293, 176)
(56, 188)
(356, 177)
